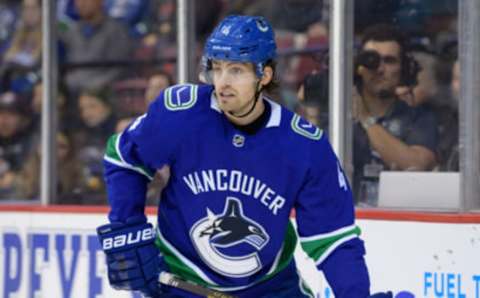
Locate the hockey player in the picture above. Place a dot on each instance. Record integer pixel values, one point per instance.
(239, 163)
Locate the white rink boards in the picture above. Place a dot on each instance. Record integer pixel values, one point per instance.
(56, 254)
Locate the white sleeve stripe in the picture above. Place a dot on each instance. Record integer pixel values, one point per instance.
(329, 234)
(127, 166)
(333, 247)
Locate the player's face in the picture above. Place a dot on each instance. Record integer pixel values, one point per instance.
(234, 85)
(387, 76)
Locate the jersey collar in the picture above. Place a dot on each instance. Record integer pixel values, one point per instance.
(275, 114)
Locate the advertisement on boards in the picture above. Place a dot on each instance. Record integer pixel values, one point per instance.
(58, 255)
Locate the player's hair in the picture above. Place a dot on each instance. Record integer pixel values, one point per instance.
(273, 85)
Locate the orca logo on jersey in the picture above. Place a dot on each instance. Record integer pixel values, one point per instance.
(216, 236)
(128, 238)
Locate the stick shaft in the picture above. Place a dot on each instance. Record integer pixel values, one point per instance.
(172, 280)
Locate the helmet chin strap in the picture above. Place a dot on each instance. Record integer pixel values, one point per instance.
(254, 100)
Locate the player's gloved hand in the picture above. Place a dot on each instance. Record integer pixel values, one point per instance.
(132, 257)
(382, 295)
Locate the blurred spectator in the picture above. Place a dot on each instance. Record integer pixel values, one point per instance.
(16, 131)
(426, 93)
(313, 99)
(97, 124)
(419, 18)
(388, 134)
(9, 190)
(17, 139)
(8, 19)
(426, 89)
(163, 19)
(131, 12)
(160, 41)
(95, 37)
(71, 185)
(98, 120)
(455, 84)
(26, 47)
(316, 41)
(441, 20)
(65, 122)
(157, 81)
(291, 15)
(207, 13)
(23, 57)
(129, 96)
(448, 151)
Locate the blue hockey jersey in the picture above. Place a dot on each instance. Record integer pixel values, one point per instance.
(223, 218)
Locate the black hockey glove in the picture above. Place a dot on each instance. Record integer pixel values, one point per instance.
(132, 257)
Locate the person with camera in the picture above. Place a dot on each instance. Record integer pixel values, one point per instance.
(388, 134)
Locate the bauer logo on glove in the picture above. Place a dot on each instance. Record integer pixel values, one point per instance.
(127, 239)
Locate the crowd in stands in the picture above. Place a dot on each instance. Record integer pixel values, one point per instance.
(116, 56)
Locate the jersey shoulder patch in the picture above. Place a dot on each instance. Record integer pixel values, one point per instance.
(180, 97)
(305, 128)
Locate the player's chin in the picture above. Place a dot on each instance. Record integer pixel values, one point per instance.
(227, 105)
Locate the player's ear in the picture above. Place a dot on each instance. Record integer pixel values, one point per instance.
(267, 75)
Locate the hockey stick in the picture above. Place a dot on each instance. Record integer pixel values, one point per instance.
(172, 280)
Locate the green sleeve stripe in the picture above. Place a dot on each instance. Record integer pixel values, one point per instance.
(113, 155)
(332, 247)
(340, 231)
(111, 150)
(320, 249)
